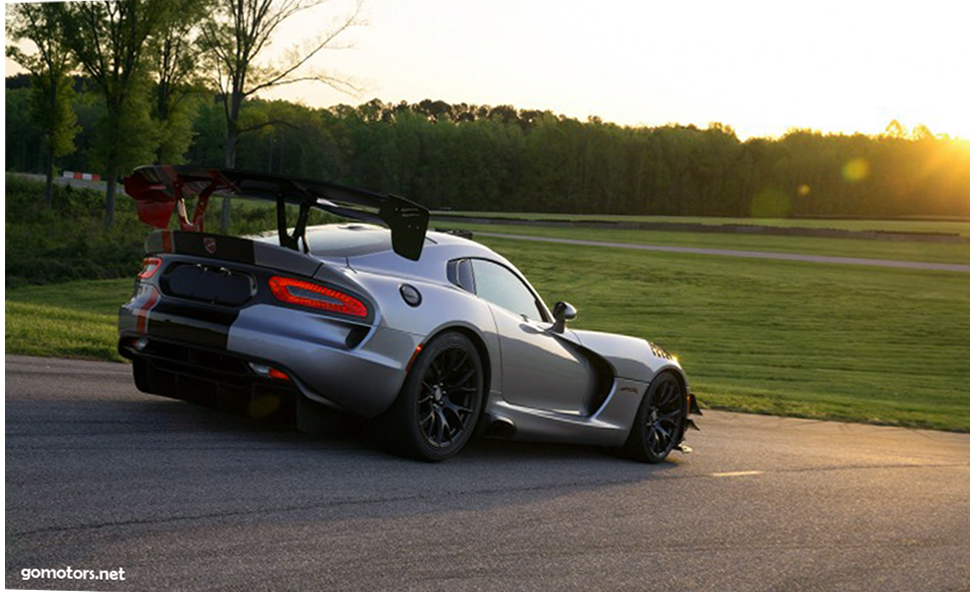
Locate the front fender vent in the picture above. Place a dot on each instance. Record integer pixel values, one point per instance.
(661, 352)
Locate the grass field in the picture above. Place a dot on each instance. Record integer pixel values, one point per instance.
(931, 226)
(831, 247)
(811, 340)
(72, 320)
(802, 339)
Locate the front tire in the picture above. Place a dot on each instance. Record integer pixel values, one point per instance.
(660, 421)
(439, 405)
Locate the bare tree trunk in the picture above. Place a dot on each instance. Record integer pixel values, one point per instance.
(225, 215)
(232, 140)
(51, 106)
(109, 200)
(251, 23)
(49, 185)
(113, 167)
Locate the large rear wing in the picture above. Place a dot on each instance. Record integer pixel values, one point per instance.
(158, 190)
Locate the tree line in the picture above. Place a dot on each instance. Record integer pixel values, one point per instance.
(118, 83)
(474, 157)
(144, 59)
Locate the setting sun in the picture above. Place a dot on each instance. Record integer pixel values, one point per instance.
(754, 65)
(760, 68)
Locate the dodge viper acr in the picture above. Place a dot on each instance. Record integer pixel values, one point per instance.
(432, 337)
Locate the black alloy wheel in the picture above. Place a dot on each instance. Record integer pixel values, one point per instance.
(660, 421)
(447, 397)
(439, 405)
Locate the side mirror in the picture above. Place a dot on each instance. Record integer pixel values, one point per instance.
(562, 312)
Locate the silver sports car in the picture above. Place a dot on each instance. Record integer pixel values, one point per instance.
(432, 337)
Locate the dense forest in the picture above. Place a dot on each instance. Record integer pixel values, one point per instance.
(469, 157)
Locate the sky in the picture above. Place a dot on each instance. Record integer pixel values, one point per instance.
(760, 67)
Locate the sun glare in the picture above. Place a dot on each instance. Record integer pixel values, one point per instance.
(761, 68)
(855, 170)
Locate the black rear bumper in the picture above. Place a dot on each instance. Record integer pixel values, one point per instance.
(206, 377)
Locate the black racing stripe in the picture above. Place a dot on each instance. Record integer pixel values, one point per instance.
(204, 326)
(219, 246)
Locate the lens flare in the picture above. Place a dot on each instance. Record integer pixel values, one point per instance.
(855, 170)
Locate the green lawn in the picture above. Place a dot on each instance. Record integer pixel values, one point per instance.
(829, 341)
(824, 341)
(831, 247)
(959, 226)
(72, 320)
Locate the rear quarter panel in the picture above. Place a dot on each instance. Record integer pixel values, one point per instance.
(443, 307)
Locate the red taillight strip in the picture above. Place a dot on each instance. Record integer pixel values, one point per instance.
(149, 266)
(278, 374)
(338, 301)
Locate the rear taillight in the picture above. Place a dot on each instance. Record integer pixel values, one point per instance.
(310, 295)
(148, 267)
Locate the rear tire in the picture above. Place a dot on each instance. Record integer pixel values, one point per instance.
(435, 414)
(660, 421)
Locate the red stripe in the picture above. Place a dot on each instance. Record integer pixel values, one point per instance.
(144, 310)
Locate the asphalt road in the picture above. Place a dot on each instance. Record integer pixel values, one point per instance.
(101, 477)
(739, 253)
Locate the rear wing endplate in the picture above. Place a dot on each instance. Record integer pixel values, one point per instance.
(158, 190)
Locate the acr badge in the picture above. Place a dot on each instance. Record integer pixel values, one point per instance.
(210, 244)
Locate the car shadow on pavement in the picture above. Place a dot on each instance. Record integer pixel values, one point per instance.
(350, 431)
(149, 464)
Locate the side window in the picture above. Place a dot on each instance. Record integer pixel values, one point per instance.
(460, 274)
(501, 287)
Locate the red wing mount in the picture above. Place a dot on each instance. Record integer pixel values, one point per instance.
(160, 190)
